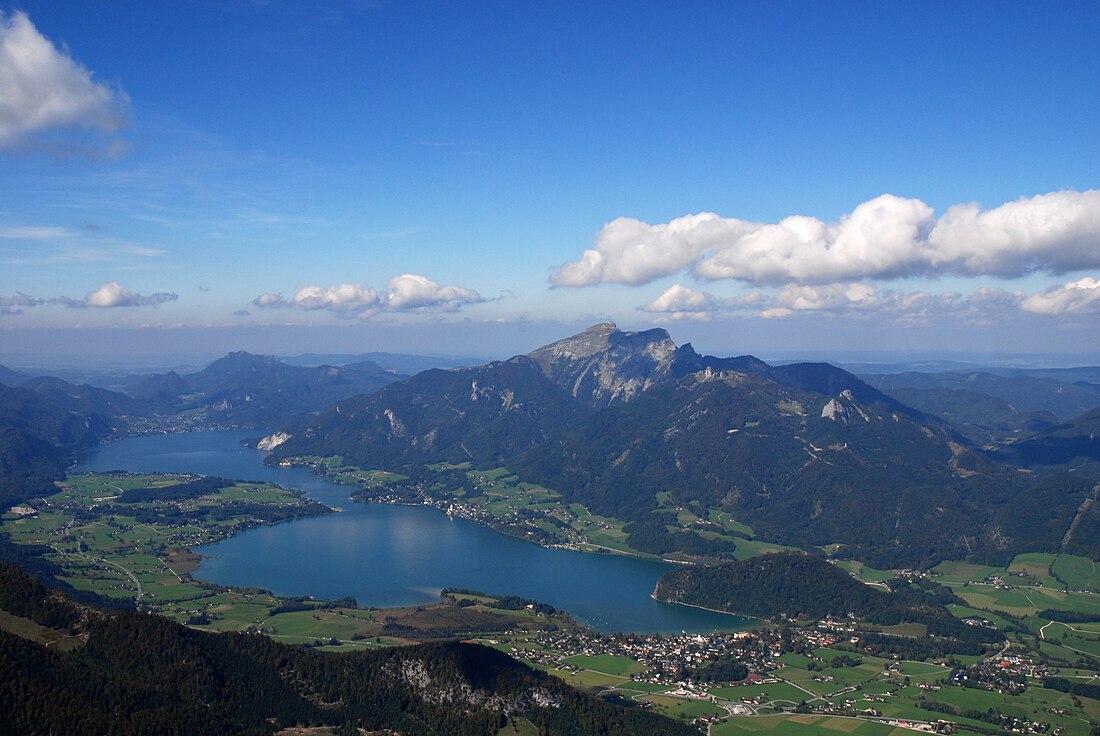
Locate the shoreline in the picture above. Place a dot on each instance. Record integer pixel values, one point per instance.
(439, 504)
(653, 595)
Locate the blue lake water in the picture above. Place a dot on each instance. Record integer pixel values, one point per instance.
(400, 555)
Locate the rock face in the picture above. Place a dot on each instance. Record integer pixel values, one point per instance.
(844, 408)
(458, 692)
(269, 443)
(603, 365)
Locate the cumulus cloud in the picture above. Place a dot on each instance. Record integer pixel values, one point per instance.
(42, 88)
(342, 298)
(1076, 297)
(677, 298)
(405, 293)
(270, 299)
(888, 237)
(114, 294)
(409, 292)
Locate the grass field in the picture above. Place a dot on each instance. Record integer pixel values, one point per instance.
(106, 547)
(589, 680)
(763, 693)
(963, 572)
(682, 707)
(1078, 573)
(864, 572)
(24, 628)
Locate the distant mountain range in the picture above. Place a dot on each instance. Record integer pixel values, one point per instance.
(396, 362)
(45, 421)
(8, 377)
(241, 388)
(807, 454)
(1024, 393)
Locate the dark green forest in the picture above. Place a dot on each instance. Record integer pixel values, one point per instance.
(794, 585)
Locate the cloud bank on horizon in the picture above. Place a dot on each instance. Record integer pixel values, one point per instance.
(43, 89)
(885, 238)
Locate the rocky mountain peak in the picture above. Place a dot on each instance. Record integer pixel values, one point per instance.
(604, 364)
(844, 408)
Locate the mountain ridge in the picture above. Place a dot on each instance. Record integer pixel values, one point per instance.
(611, 419)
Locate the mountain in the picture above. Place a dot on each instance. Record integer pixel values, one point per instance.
(8, 377)
(604, 365)
(83, 398)
(801, 467)
(981, 418)
(488, 414)
(161, 393)
(1030, 392)
(42, 426)
(1072, 444)
(395, 362)
(131, 673)
(63, 414)
(807, 454)
(257, 389)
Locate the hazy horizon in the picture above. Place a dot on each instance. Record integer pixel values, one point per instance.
(89, 349)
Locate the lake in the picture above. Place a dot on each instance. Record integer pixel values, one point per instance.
(387, 555)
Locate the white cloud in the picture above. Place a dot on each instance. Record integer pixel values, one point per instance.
(342, 298)
(885, 238)
(827, 297)
(409, 292)
(630, 251)
(983, 306)
(677, 298)
(109, 294)
(405, 293)
(1076, 297)
(114, 294)
(42, 88)
(678, 302)
(271, 299)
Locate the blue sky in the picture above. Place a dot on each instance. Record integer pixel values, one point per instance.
(476, 178)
